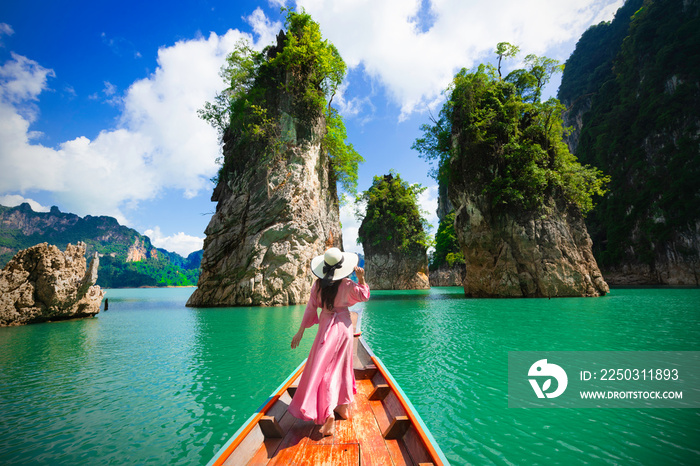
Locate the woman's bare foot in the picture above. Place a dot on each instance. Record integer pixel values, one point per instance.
(328, 427)
(342, 411)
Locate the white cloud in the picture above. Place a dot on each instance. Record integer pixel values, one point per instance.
(13, 200)
(21, 81)
(5, 30)
(180, 242)
(109, 93)
(352, 107)
(350, 228)
(159, 142)
(416, 65)
(110, 89)
(263, 28)
(428, 203)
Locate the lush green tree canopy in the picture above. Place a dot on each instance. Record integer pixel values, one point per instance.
(514, 141)
(247, 115)
(640, 76)
(392, 219)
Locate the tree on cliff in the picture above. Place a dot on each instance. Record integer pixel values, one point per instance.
(309, 70)
(284, 156)
(393, 235)
(392, 220)
(503, 121)
(517, 191)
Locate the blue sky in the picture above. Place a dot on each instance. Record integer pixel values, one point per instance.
(98, 100)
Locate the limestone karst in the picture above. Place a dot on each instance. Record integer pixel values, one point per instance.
(43, 283)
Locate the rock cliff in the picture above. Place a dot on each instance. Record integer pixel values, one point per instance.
(271, 218)
(447, 264)
(448, 276)
(42, 283)
(513, 184)
(140, 251)
(396, 271)
(634, 104)
(525, 254)
(585, 72)
(266, 229)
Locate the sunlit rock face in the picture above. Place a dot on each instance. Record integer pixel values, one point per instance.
(396, 271)
(271, 219)
(525, 254)
(266, 230)
(43, 283)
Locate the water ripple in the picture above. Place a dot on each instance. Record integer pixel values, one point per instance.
(152, 382)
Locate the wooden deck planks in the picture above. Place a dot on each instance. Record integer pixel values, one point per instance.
(359, 440)
(266, 452)
(375, 450)
(288, 449)
(345, 429)
(328, 455)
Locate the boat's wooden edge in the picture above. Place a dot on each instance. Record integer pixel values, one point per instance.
(243, 432)
(423, 433)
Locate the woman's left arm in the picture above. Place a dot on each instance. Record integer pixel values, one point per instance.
(297, 337)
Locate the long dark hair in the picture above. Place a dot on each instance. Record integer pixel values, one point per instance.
(328, 293)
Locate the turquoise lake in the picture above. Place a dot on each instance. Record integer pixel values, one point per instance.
(153, 382)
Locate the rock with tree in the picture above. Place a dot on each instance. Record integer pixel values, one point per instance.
(518, 193)
(284, 153)
(393, 235)
(632, 87)
(42, 283)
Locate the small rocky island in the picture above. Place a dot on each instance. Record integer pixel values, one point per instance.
(284, 153)
(42, 283)
(447, 261)
(393, 236)
(517, 192)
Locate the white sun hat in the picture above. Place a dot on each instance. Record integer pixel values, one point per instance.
(334, 263)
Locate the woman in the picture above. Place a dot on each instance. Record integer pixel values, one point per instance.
(328, 381)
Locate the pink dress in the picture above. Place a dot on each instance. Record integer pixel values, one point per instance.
(328, 379)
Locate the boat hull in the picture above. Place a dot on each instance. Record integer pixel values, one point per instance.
(383, 427)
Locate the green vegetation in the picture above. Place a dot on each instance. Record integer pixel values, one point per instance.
(103, 235)
(514, 142)
(116, 273)
(591, 64)
(249, 114)
(392, 221)
(642, 126)
(447, 249)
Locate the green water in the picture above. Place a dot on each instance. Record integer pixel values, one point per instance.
(153, 382)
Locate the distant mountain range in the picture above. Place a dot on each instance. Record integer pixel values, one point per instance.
(127, 258)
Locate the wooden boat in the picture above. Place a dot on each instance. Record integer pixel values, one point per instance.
(383, 427)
